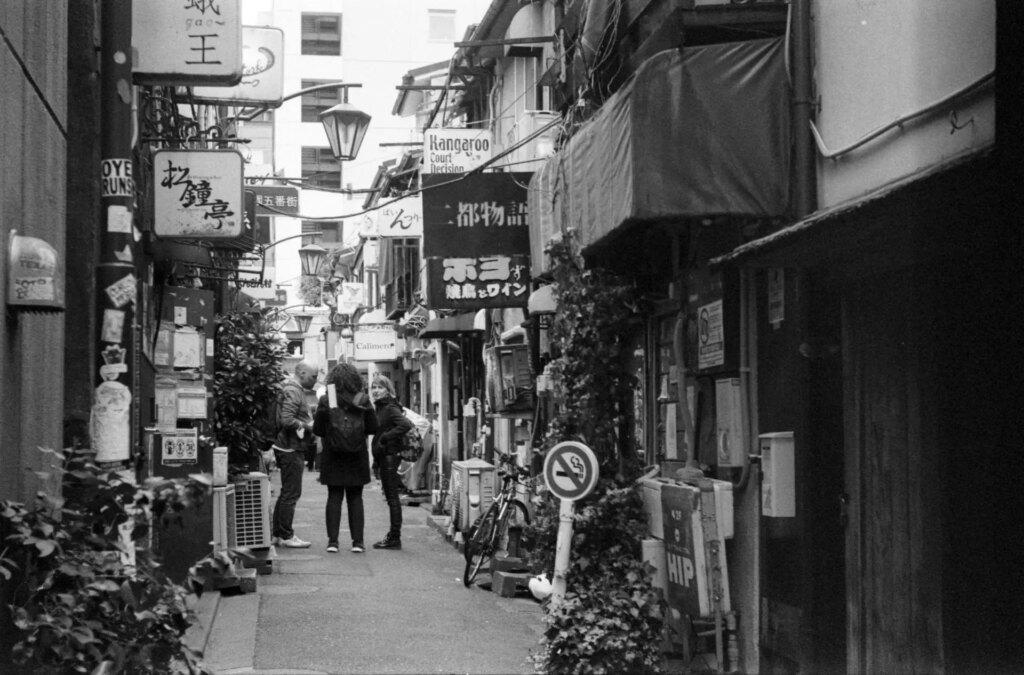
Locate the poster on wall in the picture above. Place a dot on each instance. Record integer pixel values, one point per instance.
(710, 336)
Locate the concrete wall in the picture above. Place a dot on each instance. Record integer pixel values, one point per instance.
(877, 61)
(33, 77)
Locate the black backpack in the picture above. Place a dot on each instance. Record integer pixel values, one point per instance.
(347, 433)
(269, 423)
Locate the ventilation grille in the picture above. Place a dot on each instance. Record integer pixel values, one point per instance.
(252, 511)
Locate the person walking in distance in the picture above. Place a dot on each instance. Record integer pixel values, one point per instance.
(290, 447)
(344, 462)
(387, 443)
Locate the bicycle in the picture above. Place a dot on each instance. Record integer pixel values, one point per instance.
(489, 533)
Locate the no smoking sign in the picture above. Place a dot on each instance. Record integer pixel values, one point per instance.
(570, 470)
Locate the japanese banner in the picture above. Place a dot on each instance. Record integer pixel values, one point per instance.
(479, 215)
(478, 282)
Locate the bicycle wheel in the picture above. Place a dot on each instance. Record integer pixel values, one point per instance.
(480, 544)
(516, 515)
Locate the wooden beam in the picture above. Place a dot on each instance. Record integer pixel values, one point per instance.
(506, 41)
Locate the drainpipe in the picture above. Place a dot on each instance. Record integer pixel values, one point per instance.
(805, 184)
(113, 427)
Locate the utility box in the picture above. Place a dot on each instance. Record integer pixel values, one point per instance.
(472, 491)
(778, 486)
(252, 510)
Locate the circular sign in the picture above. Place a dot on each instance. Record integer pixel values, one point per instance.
(570, 470)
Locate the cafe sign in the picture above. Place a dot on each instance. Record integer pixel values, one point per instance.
(376, 342)
(197, 194)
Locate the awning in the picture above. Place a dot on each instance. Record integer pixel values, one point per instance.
(450, 326)
(842, 232)
(698, 132)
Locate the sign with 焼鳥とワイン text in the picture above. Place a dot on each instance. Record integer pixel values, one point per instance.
(478, 282)
(197, 194)
(187, 43)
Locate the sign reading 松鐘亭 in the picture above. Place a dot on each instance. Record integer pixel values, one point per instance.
(197, 194)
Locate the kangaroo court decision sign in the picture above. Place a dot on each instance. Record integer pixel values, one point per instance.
(197, 194)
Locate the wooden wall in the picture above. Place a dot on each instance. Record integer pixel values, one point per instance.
(33, 123)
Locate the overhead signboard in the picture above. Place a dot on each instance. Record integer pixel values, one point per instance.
(376, 342)
(197, 194)
(187, 43)
(478, 282)
(478, 215)
(401, 217)
(276, 200)
(456, 150)
(262, 71)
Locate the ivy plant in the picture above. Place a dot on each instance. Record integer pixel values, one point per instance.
(247, 377)
(611, 618)
(83, 590)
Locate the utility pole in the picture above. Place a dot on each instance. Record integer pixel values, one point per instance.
(113, 429)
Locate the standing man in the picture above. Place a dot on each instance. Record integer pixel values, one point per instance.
(290, 447)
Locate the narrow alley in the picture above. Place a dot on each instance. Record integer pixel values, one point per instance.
(394, 611)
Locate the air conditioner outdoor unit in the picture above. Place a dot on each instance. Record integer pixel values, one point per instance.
(472, 491)
(224, 517)
(252, 511)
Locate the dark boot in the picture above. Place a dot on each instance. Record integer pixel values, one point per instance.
(389, 541)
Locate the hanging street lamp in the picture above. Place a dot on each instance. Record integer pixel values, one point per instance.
(345, 126)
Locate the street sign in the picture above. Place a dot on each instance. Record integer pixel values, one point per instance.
(570, 470)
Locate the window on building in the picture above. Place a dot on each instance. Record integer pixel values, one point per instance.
(321, 34)
(441, 25)
(331, 232)
(320, 168)
(315, 102)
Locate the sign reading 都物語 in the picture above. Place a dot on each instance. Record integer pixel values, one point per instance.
(478, 215)
(376, 342)
(187, 42)
(455, 150)
(197, 194)
(262, 70)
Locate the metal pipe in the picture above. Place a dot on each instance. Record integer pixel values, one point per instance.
(805, 184)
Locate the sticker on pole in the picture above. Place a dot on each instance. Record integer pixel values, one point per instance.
(570, 470)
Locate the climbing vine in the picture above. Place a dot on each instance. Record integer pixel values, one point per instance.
(611, 619)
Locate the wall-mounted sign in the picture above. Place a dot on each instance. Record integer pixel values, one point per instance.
(197, 194)
(482, 214)
(455, 150)
(350, 298)
(35, 275)
(401, 217)
(376, 342)
(478, 282)
(262, 71)
(188, 42)
(710, 336)
(276, 200)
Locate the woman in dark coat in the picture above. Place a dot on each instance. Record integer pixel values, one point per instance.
(387, 443)
(345, 473)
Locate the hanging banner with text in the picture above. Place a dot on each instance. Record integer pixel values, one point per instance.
(454, 151)
(187, 43)
(197, 194)
(478, 282)
(401, 217)
(479, 215)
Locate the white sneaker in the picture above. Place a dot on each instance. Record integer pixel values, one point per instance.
(358, 548)
(332, 548)
(294, 542)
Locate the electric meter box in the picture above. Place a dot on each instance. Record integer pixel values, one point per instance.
(472, 491)
(778, 485)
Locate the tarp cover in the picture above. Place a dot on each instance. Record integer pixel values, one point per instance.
(701, 131)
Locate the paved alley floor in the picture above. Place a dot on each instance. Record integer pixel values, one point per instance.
(389, 611)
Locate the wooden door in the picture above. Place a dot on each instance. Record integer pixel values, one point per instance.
(893, 546)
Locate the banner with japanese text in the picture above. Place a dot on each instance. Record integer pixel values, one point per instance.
(478, 282)
(475, 215)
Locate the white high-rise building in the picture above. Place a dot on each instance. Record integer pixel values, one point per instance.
(372, 43)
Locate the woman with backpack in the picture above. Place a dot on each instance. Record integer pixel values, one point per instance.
(345, 465)
(387, 444)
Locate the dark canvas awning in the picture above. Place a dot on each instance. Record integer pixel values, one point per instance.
(449, 326)
(698, 132)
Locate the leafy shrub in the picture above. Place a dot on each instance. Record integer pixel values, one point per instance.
(247, 376)
(85, 592)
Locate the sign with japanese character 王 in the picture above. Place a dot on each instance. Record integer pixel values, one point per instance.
(478, 282)
(187, 42)
(197, 194)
